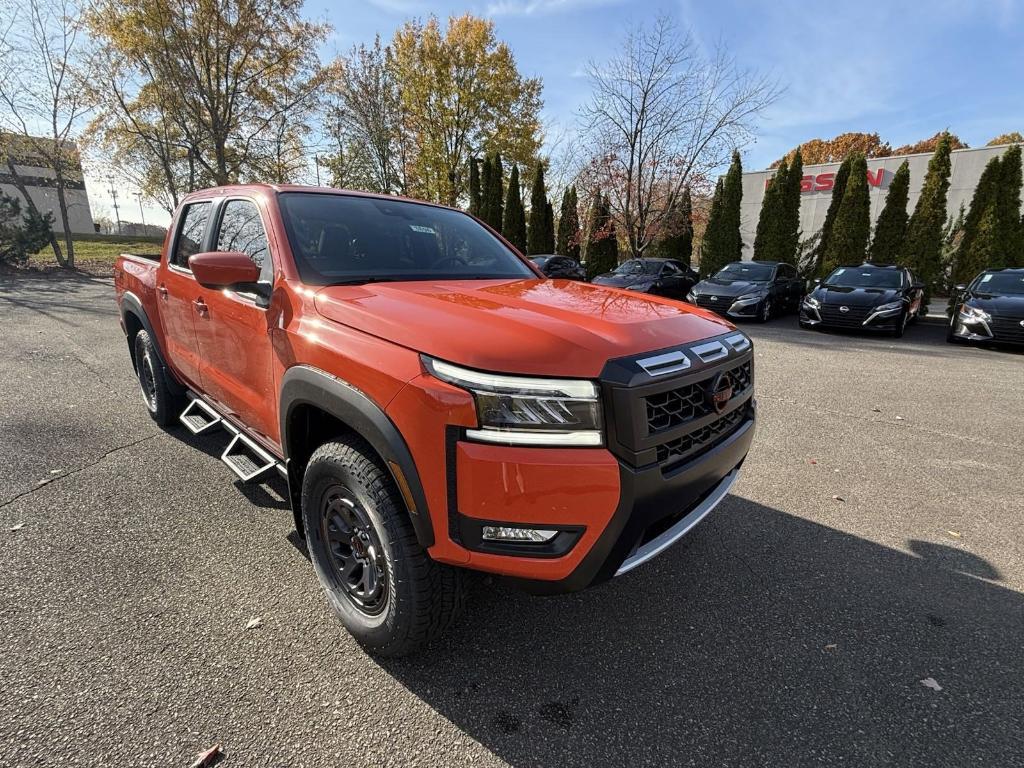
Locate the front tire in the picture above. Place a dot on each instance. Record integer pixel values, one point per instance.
(764, 313)
(901, 325)
(163, 404)
(383, 586)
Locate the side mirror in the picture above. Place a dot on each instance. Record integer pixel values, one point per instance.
(919, 286)
(960, 288)
(223, 269)
(816, 281)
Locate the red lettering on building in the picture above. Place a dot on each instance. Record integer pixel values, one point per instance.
(824, 182)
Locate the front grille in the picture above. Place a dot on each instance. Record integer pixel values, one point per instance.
(702, 439)
(666, 410)
(1008, 329)
(715, 303)
(854, 317)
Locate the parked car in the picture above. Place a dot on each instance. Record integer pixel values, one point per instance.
(662, 277)
(750, 289)
(870, 297)
(557, 266)
(397, 363)
(990, 309)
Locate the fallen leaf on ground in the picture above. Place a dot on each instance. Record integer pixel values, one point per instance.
(900, 418)
(17, 527)
(838, 498)
(877, 410)
(253, 623)
(56, 471)
(206, 757)
(831, 647)
(812, 461)
(931, 682)
(953, 534)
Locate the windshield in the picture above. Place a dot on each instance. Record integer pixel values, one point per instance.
(745, 270)
(347, 239)
(637, 267)
(852, 277)
(1002, 283)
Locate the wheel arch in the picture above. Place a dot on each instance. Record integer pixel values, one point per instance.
(316, 406)
(135, 319)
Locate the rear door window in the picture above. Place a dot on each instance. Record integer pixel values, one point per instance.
(190, 234)
(241, 230)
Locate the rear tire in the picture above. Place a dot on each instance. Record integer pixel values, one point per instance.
(383, 586)
(162, 402)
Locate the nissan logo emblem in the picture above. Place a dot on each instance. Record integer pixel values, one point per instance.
(1022, 323)
(714, 298)
(719, 392)
(844, 309)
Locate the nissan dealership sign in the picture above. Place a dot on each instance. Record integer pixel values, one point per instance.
(819, 181)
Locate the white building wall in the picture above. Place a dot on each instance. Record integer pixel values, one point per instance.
(44, 195)
(967, 166)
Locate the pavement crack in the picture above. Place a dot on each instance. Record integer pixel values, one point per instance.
(50, 480)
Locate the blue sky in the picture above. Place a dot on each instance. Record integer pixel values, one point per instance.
(905, 70)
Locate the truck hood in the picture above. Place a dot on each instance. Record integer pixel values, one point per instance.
(544, 327)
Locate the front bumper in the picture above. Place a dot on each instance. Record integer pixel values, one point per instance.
(998, 329)
(856, 318)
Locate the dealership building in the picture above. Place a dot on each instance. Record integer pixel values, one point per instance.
(40, 182)
(816, 189)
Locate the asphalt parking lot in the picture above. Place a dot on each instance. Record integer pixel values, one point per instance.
(875, 541)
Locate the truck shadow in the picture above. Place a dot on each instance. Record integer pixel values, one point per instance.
(762, 639)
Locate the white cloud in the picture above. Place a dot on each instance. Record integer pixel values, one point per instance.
(542, 7)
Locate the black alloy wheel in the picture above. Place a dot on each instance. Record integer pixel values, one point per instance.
(356, 554)
(766, 311)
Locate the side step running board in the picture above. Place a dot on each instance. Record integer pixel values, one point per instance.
(198, 417)
(246, 459)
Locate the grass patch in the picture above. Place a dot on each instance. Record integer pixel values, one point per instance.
(97, 251)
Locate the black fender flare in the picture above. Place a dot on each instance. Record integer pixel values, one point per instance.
(305, 385)
(132, 305)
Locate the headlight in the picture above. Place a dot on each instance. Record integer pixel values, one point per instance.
(691, 297)
(973, 314)
(811, 303)
(522, 410)
(749, 297)
(890, 306)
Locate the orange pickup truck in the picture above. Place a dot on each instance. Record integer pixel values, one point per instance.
(435, 403)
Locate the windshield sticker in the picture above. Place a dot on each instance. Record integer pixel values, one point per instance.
(986, 278)
(424, 230)
(839, 272)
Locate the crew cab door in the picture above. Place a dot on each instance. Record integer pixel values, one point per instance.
(177, 292)
(233, 326)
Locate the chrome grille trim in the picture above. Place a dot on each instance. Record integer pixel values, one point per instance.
(661, 365)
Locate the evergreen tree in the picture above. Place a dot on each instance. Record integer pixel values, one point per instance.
(496, 203)
(767, 238)
(536, 237)
(725, 244)
(678, 242)
(891, 227)
(848, 240)
(708, 262)
(922, 250)
(838, 187)
(474, 186)
(1008, 232)
(22, 233)
(514, 224)
(603, 248)
(485, 190)
(567, 242)
(970, 257)
(549, 227)
(789, 211)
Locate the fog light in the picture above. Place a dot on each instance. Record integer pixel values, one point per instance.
(501, 533)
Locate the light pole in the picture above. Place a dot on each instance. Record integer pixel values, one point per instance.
(113, 195)
(142, 213)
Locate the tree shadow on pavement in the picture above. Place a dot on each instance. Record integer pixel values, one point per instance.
(762, 639)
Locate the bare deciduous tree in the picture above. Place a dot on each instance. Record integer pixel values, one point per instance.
(662, 117)
(365, 118)
(42, 66)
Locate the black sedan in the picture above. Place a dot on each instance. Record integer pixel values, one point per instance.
(664, 277)
(990, 309)
(752, 289)
(869, 297)
(554, 265)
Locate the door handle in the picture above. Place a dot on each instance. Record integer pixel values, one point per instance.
(200, 306)
(162, 290)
